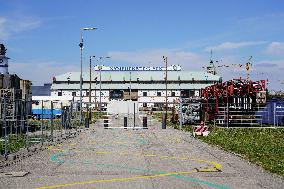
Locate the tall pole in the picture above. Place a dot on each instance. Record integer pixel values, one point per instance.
(166, 82)
(96, 94)
(100, 83)
(90, 81)
(100, 69)
(90, 89)
(5, 127)
(130, 89)
(81, 45)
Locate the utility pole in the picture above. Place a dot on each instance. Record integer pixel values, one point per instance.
(100, 58)
(130, 88)
(100, 69)
(90, 90)
(166, 82)
(81, 45)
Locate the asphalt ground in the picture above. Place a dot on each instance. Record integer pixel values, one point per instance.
(136, 158)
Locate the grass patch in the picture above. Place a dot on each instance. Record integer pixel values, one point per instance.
(14, 143)
(264, 147)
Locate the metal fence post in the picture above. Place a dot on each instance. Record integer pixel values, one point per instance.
(41, 125)
(71, 114)
(22, 116)
(15, 118)
(274, 114)
(51, 121)
(180, 115)
(134, 115)
(69, 120)
(125, 122)
(25, 121)
(164, 121)
(61, 125)
(227, 121)
(5, 127)
(145, 122)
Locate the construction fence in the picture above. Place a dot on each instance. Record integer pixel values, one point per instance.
(238, 114)
(20, 128)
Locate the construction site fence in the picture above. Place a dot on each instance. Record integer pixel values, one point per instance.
(21, 129)
(269, 114)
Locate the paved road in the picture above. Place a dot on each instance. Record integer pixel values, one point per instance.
(137, 158)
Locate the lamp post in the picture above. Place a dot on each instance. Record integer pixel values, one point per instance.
(130, 87)
(81, 45)
(100, 69)
(166, 82)
(90, 89)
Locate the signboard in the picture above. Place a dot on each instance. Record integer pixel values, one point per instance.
(137, 68)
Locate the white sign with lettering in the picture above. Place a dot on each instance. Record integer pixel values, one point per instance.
(137, 68)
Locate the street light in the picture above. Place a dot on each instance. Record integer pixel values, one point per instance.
(81, 45)
(166, 82)
(100, 69)
(130, 87)
(90, 89)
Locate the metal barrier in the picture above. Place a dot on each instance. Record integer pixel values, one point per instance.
(239, 114)
(21, 129)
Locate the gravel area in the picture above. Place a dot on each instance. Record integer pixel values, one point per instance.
(135, 158)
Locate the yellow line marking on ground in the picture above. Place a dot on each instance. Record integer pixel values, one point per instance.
(103, 152)
(164, 156)
(124, 153)
(117, 179)
(150, 155)
(124, 142)
(92, 143)
(216, 165)
(183, 158)
(54, 149)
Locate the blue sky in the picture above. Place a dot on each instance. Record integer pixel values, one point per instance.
(42, 36)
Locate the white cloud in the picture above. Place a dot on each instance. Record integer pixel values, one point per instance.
(40, 72)
(234, 45)
(153, 57)
(3, 33)
(275, 48)
(25, 24)
(270, 23)
(260, 70)
(10, 26)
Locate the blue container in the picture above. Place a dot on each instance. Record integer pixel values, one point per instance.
(46, 113)
(273, 112)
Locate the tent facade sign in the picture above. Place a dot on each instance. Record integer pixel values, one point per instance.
(137, 68)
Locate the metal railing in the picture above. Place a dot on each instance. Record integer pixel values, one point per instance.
(268, 115)
(22, 128)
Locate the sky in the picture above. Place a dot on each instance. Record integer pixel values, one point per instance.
(42, 37)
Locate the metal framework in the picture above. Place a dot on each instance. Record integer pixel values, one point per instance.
(234, 101)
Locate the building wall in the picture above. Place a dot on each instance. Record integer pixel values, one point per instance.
(178, 82)
(153, 96)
